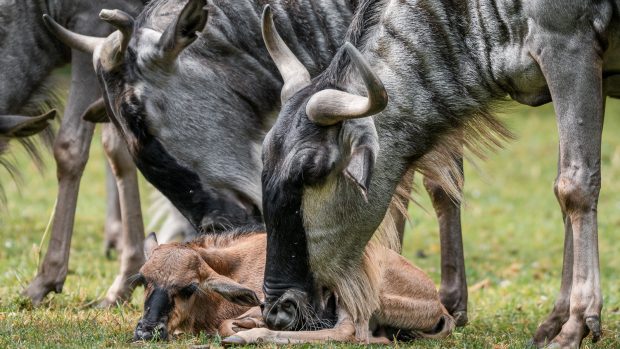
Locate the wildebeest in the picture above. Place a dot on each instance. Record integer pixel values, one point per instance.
(184, 109)
(210, 284)
(339, 147)
(29, 54)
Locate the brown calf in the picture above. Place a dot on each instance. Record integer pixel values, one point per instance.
(214, 284)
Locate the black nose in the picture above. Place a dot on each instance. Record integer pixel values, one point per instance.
(147, 332)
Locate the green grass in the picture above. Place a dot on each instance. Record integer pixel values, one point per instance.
(512, 230)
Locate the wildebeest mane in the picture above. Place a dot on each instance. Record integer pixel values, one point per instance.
(473, 127)
(366, 16)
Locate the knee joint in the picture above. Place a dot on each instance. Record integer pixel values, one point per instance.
(70, 157)
(577, 192)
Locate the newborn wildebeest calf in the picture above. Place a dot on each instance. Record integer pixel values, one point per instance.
(214, 284)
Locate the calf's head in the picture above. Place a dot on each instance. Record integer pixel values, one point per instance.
(322, 134)
(186, 289)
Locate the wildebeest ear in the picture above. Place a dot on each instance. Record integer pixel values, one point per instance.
(182, 31)
(232, 291)
(361, 137)
(360, 167)
(150, 243)
(96, 112)
(23, 126)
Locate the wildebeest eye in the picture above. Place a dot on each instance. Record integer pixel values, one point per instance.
(188, 291)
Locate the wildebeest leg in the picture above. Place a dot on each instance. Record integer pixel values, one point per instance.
(71, 154)
(132, 238)
(344, 331)
(573, 69)
(553, 324)
(453, 290)
(396, 207)
(252, 318)
(113, 225)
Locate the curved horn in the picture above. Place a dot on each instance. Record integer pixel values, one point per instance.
(330, 106)
(121, 21)
(77, 41)
(294, 74)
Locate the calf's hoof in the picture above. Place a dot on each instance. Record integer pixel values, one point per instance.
(233, 340)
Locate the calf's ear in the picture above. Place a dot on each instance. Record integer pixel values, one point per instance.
(232, 291)
(182, 31)
(150, 243)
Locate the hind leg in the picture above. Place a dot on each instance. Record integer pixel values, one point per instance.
(453, 290)
(409, 301)
(132, 239)
(113, 226)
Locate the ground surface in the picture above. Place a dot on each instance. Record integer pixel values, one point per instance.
(513, 246)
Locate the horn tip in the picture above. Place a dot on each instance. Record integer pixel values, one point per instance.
(47, 19)
(266, 10)
(106, 14)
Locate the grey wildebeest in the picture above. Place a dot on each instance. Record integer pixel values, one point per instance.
(214, 285)
(339, 148)
(194, 108)
(29, 54)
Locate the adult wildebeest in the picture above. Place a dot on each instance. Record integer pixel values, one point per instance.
(29, 54)
(334, 157)
(211, 284)
(184, 102)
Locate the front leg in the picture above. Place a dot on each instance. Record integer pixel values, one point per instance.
(252, 318)
(572, 66)
(344, 331)
(552, 325)
(71, 149)
(453, 290)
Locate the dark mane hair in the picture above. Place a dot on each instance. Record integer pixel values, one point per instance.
(366, 17)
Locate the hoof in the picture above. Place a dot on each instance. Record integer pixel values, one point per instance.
(233, 340)
(594, 325)
(39, 289)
